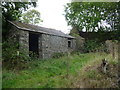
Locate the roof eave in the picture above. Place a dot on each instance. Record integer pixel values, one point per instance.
(38, 31)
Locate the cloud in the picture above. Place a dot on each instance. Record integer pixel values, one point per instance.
(52, 14)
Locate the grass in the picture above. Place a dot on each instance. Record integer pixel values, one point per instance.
(72, 71)
(92, 77)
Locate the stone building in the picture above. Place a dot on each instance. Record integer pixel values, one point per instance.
(43, 41)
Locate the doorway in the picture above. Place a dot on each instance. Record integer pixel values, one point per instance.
(33, 44)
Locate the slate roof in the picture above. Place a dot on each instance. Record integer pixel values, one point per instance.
(39, 29)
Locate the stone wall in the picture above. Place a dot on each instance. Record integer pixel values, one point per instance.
(73, 45)
(53, 44)
(14, 34)
(40, 46)
(24, 41)
(21, 37)
(48, 44)
(80, 44)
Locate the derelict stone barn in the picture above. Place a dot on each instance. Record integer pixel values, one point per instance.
(43, 41)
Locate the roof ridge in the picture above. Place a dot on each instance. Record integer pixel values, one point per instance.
(41, 26)
(40, 29)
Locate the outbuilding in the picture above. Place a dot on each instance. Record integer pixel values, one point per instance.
(45, 42)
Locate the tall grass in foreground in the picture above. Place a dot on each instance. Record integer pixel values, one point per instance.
(52, 73)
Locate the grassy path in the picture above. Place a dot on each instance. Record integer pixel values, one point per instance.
(53, 73)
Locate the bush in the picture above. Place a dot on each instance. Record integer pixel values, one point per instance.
(12, 57)
(93, 46)
(33, 55)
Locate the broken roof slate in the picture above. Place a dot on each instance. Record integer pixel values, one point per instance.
(35, 28)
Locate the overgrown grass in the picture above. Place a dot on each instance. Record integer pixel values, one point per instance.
(53, 73)
(92, 77)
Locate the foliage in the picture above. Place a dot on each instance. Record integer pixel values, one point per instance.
(31, 17)
(12, 56)
(89, 14)
(93, 45)
(51, 73)
(12, 11)
(47, 73)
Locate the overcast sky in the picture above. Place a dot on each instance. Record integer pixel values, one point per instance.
(52, 14)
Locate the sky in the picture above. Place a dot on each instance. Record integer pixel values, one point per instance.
(52, 14)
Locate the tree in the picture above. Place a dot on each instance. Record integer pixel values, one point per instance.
(12, 11)
(31, 17)
(89, 14)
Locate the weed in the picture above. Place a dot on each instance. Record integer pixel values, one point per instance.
(53, 73)
(58, 55)
(91, 74)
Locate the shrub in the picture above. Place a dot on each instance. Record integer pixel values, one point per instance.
(93, 46)
(33, 55)
(12, 57)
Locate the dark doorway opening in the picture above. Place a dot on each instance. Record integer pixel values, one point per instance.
(69, 43)
(33, 44)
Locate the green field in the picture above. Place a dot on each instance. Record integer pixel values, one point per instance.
(77, 70)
